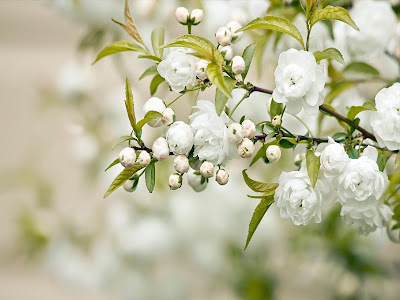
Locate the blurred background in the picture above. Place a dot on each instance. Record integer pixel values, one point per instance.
(60, 239)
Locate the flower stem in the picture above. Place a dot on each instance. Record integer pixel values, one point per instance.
(245, 96)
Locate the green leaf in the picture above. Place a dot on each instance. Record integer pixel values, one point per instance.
(157, 40)
(397, 161)
(257, 186)
(155, 82)
(248, 54)
(338, 89)
(152, 57)
(333, 13)
(275, 109)
(150, 71)
(352, 153)
(214, 74)
(361, 67)
(115, 162)
(382, 160)
(287, 143)
(221, 98)
(258, 214)
(130, 24)
(121, 178)
(151, 115)
(202, 55)
(313, 165)
(130, 108)
(122, 139)
(275, 23)
(261, 152)
(150, 175)
(119, 47)
(330, 53)
(355, 110)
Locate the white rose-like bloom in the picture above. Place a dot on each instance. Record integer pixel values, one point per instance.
(210, 134)
(178, 69)
(386, 120)
(333, 159)
(299, 82)
(154, 104)
(298, 200)
(180, 138)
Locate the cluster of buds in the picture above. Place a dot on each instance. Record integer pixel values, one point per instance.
(240, 135)
(156, 104)
(181, 165)
(227, 35)
(127, 158)
(183, 16)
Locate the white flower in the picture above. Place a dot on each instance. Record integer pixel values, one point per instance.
(273, 153)
(238, 65)
(196, 16)
(235, 133)
(160, 148)
(246, 148)
(233, 26)
(207, 169)
(386, 120)
(181, 164)
(227, 52)
(196, 182)
(333, 159)
(299, 82)
(175, 181)
(201, 69)
(182, 15)
(154, 104)
(178, 69)
(298, 200)
(180, 138)
(210, 134)
(127, 157)
(144, 159)
(224, 36)
(168, 116)
(222, 177)
(249, 129)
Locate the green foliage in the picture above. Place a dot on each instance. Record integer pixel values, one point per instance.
(260, 187)
(130, 108)
(149, 71)
(313, 165)
(155, 82)
(121, 178)
(361, 68)
(157, 40)
(333, 13)
(397, 161)
(352, 153)
(382, 160)
(330, 53)
(247, 55)
(220, 97)
(117, 47)
(122, 139)
(355, 110)
(151, 115)
(115, 162)
(261, 152)
(152, 57)
(275, 109)
(150, 175)
(287, 143)
(214, 74)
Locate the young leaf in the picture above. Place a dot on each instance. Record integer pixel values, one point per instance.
(397, 161)
(275, 109)
(130, 108)
(122, 139)
(334, 13)
(275, 23)
(248, 54)
(313, 165)
(330, 53)
(352, 153)
(361, 67)
(115, 162)
(151, 115)
(382, 160)
(155, 82)
(157, 40)
(257, 186)
(130, 24)
(221, 98)
(150, 175)
(258, 214)
(150, 71)
(355, 110)
(287, 143)
(121, 178)
(119, 47)
(214, 74)
(152, 57)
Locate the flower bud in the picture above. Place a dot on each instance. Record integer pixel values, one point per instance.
(196, 16)
(130, 185)
(197, 182)
(233, 26)
(222, 177)
(273, 153)
(238, 65)
(182, 15)
(127, 157)
(168, 116)
(224, 36)
(181, 164)
(175, 181)
(227, 52)
(207, 169)
(249, 129)
(246, 148)
(201, 68)
(276, 121)
(235, 133)
(154, 104)
(144, 159)
(160, 148)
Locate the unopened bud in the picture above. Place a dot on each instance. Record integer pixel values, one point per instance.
(227, 52)
(233, 26)
(130, 185)
(246, 148)
(168, 116)
(201, 69)
(181, 164)
(207, 169)
(154, 104)
(144, 159)
(182, 15)
(249, 129)
(175, 181)
(196, 181)
(238, 65)
(160, 148)
(196, 16)
(235, 133)
(224, 36)
(276, 121)
(127, 157)
(273, 153)
(222, 177)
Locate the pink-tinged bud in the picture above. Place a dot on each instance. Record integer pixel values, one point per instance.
(144, 159)
(201, 69)
(227, 52)
(127, 157)
(233, 26)
(168, 116)
(130, 185)
(160, 148)
(181, 164)
(235, 133)
(182, 15)
(222, 177)
(207, 169)
(273, 153)
(154, 104)
(246, 148)
(175, 181)
(249, 129)
(224, 36)
(276, 120)
(196, 16)
(238, 65)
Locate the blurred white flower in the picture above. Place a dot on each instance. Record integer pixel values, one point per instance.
(73, 79)
(195, 181)
(333, 159)
(180, 138)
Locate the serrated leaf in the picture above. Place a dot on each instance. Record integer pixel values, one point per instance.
(152, 57)
(130, 24)
(118, 47)
(149, 71)
(122, 139)
(115, 162)
(155, 82)
(275, 109)
(355, 110)
(257, 186)
(215, 75)
(330, 53)
(248, 54)
(151, 115)
(157, 40)
(121, 178)
(221, 98)
(362, 68)
(275, 23)
(313, 165)
(130, 107)
(258, 214)
(150, 176)
(333, 13)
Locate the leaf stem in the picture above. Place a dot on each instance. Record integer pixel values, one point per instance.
(245, 96)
